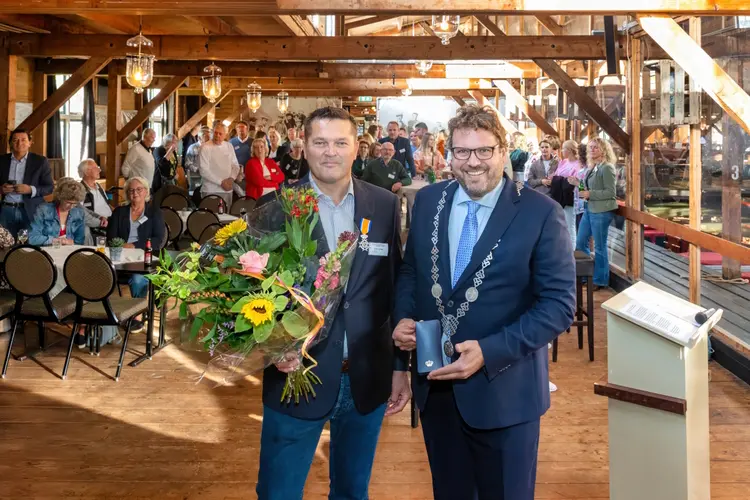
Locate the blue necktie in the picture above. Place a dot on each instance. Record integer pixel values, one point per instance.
(467, 241)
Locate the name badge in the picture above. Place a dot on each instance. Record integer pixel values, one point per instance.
(378, 249)
(402, 150)
(391, 176)
(236, 147)
(142, 220)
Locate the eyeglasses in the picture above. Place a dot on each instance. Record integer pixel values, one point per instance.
(484, 153)
(136, 190)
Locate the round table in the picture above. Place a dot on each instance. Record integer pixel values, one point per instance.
(410, 193)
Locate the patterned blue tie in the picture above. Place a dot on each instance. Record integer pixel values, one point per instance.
(467, 241)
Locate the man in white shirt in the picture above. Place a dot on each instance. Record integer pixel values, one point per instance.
(139, 161)
(218, 165)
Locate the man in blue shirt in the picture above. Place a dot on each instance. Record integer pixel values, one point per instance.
(402, 147)
(242, 144)
(26, 179)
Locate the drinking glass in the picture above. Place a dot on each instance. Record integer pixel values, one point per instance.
(101, 244)
(56, 243)
(23, 236)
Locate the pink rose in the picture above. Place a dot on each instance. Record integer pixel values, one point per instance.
(253, 262)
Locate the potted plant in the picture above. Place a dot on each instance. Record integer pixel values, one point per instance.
(115, 249)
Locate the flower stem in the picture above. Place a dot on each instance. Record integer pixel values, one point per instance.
(299, 383)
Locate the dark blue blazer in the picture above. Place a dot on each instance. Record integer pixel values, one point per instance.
(364, 314)
(153, 229)
(526, 300)
(37, 174)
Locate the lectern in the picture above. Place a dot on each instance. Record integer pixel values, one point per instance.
(657, 385)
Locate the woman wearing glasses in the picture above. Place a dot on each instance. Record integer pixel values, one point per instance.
(63, 219)
(136, 222)
(600, 202)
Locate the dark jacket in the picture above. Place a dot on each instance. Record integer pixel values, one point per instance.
(38, 174)
(165, 170)
(403, 153)
(562, 191)
(88, 200)
(293, 169)
(187, 141)
(153, 229)
(363, 314)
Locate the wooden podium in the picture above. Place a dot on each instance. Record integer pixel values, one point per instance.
(657, 387)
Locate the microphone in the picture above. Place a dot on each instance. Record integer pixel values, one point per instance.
(703, 316)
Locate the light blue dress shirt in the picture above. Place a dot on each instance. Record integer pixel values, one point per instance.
(133, 235)
(458, 214)
(335, 220)
(16, 173)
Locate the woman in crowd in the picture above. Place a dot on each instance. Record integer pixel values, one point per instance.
(520, 154)
(262, 174)
(570, 173)
(599, 206)
(376, 151)
(363, 155)
(428, 156)
(62, 219)
(372, 131)
(167, 163)
(293, 164)
(136, 222)
(441, 142)
(277, 150)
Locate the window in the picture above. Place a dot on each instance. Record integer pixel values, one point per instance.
(71, 129)
(158, 119)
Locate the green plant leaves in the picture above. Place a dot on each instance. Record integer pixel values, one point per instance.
(294, 324)
(280, 302)
(242, 324)
(263, 331)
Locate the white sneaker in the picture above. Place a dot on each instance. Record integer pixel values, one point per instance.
(552, 387)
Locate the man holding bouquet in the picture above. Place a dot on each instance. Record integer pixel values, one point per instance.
(363, 377)
(489, 275)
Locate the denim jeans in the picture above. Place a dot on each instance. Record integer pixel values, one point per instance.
(138, 286)
(596, 225)
(288, 444)
(570, 221)
(13, 219)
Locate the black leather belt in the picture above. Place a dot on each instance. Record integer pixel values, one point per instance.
(14, 205)
(345, 366)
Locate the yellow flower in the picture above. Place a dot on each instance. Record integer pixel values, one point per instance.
(258, 310)
(226, 232)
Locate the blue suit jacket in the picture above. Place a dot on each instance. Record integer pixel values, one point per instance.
(46, 225)
(364, 314)
(38, 174)
(526, 300)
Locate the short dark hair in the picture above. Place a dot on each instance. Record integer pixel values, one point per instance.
(402, 128)
(259, 134)
(329, 113)
(19, 131)
(421, 125)
(474, 117)
(241, 122)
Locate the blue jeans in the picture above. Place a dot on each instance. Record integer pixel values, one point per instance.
(13, 219)
(596, 225)
(138, 286)
(288, 444)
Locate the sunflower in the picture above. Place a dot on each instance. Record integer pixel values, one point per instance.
(259, 310)
(226, 232)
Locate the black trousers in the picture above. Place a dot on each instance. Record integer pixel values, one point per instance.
(476, 464)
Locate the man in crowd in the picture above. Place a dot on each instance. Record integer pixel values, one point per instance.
(218, 166)
(187, 141)
(402, 132)
(242, 143)
(362, 375)
(385, 171)
(95, 203)
(542, 170)
(415, 141)
(420, 129)
(402, 148)
(291, 134)
(139, 160)
(26, 179)
(503, 258)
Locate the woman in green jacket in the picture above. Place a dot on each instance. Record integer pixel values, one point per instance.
(600, 203)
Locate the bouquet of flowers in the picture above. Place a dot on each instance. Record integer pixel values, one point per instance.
(261, 290)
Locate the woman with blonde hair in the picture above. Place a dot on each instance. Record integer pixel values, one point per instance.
(600, 203)
(520, 153)
(571, 171)
(375, 150)
(262, 174)
(428, 156)
(61, 220)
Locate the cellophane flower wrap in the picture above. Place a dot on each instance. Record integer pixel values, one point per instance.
(261, 291)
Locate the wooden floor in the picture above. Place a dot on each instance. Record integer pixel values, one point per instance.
(156, 434)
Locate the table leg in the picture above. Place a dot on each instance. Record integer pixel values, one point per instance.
(149, 328)
(579, 308)
(590, 319)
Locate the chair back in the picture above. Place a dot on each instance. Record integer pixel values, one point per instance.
(30, 271)
(90, 275)
(247, 203)
(165, 240)
(175, 201)
(200, 220)
(208, 233)
(211, 203)
(174, 224)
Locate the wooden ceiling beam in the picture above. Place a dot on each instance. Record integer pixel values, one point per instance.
(200, 115)
(550, 24)
(297, 25)
(215, 25)
(490, 26)
(31, 24)
(334, 92)
(78, 79)
(514, 97)
(104, 23)
(315, 48)
(366, 22)
(459, 100)
(358, 84)
(693, 59)
(482, 100)
(143, 114)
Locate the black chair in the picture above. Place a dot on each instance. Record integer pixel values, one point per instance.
(92, 278)
(212, 202)
(175, 201)
(208, 233)
(247, 203)
(174, 226)
(200, 220)
(584, 277)
(31, 274)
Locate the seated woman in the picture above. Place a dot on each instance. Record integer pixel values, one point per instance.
(428, 156)
(358, 167)
(293, 164)
(262, 174)
(62, 219)
(137, 222)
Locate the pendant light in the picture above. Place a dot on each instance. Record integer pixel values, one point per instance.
(445, 27)
(424, 65)
(139, 68)
(282, 101)
(212, 82)
(253, 96)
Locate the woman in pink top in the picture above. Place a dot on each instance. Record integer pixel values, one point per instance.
(571, 168)
(428, 156)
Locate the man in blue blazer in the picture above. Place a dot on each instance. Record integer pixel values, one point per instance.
(493, 262)
(363, 375)
(25, 179)
(402, 146)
